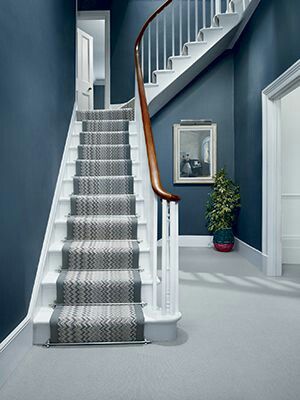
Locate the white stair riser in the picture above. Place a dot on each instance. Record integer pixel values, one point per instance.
(196, 49)
(180, 64)
(163, 77)
(54, 260)
(78, 127)
(64, 208)
(210, 35)
(133, 139)
(60, 232)
(226, 21)
(67, 187)
(75, 140)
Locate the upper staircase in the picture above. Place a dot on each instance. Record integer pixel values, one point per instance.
(183, 39)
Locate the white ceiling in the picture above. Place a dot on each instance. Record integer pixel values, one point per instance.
(96, 28)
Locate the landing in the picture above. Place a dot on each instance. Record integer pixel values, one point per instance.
(238, 339)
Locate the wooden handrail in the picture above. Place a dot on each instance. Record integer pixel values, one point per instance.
(151, 153)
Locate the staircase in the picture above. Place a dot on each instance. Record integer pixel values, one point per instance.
(97, 285)
(98, 279)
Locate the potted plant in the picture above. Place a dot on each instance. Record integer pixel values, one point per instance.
(222, 206)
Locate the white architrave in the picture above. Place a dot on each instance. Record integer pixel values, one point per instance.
(271, 207)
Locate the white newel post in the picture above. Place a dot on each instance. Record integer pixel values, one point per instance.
(174, 257)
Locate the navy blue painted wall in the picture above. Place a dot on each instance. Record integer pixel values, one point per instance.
(37, 46)
(210, 96)
(269, 45)
(99, 91)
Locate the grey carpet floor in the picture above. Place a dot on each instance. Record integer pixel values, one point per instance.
(239, 339)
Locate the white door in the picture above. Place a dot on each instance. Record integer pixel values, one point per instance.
(85, 72)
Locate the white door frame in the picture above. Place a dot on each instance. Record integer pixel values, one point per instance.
(271, 207)
(102, 15)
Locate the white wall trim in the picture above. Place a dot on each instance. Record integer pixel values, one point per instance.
(271, 204)
(99, 82)
(104, 15)
(19, 341)
(254, 256)
(193, 241)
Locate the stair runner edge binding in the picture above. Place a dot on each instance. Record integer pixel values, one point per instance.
(99, 286)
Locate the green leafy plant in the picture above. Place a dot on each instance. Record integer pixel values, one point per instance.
(223, 203)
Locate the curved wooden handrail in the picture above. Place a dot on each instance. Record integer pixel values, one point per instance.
(151, 153)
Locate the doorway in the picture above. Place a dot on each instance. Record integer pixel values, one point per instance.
(281, 163)
(290, 187)
(93, 60)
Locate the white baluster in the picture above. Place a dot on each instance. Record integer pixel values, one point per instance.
(204, 13)
(165, 41)
(196, 19)
(149, 54)
(218, 7)
(173, 29)
(165, 257)
(174, 256)
(188, 20)
(142, 54)
(157, 54)
(180, 26)
(154, 255)
(227, 5)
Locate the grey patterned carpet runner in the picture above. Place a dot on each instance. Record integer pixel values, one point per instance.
(99, 287)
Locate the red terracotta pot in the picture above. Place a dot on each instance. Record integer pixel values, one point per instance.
(224, 248)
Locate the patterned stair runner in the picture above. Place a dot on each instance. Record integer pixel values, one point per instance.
(99, 287)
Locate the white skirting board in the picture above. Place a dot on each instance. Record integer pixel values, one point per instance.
(19, 341)
(14, 347)
(193, 241)
(254, 256)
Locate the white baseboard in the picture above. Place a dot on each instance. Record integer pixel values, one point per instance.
(291, 249)
(254, 256)
(193, 241)
(14, 347)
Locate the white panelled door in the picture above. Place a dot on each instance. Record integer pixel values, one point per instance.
(85, 71)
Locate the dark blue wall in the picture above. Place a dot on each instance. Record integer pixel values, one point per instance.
(99, 91)
(268, 46)
(210, 96)
(37, 45)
